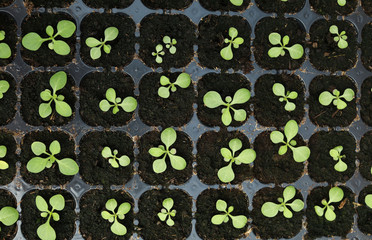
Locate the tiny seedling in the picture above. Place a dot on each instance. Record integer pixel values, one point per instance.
(341, 38)
(57, 82)
(226, 52)
(300, 154)
(4, 87)
(66, 166)
(326, 98)
(129, 104)
(167, 212)
(296, 51)
(279, 90)
(183, 80)
(168, 137)
(170, 44)
(3, 165)
(212, 99)
(335, 195)
(270, 209)
(368, 200)
(114, 159)
(32, 41)
(46, 231)
(8, 216)
(247, 156)
(159, 53)
(236, 2)
(5, 51)
(335, 153)
(238, 221)
(111, 34)
(341, 2)
(117, 228)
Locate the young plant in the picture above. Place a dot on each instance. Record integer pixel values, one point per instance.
(167, 212)
(212, 99)
(335, 153)
(270, 209)
(32, 41)
(129, 104)
(168, 137)
(111, 34)
(279, 90)
(4, 87)
(335, 195)
(114, 159)
(236, 2)
(66, 166)
(3, 165)
(159, 53)
(5, 51)
(300, 154)
(8, 216)
(341, 38)
(226, 52)
(296, 51)
(238, 221)
(183, 80)
(368, 200)
(341, 2)
(326, 98)
(247, 156)
(57, 82)
(170, 44)
(117, 228)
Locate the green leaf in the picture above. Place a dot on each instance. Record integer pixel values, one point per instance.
(335, 195)
(55, 216)
(168, 137)
(368, 200)
(38, 148)
(170, 222)
(124, 208)
(61, 47)
(276, 137)
(325, 98)
(41, 204)
(342, 44)
(156, 152)
(226, 174)
(289, 106)
(36, 164)
(63, 108)
(301, 154)
(45, 110)
(106, 215)
(5, 51)
(275, 38)
(279, 90)
(3, 165)
(2, 35)
(164, 81)
(319, 211)
(168, 203)
(129, 104)
(8, 216)
(118, 229)
(218, 219)
(240, 115)
(213, 99)
(285, 40)
(239, 221)
(106, 152)
(177, 162)
(124, 161)
(221, 205)
(111, 204)
(241, 96)
(162, 216)
(296, 51)
(92, 42)
(274, 52)
(68, 166)
(49, 30)
(111, 34)
(289, 193)
(333, 29)
(55, 147)
(330, 215)
(292, 95)
(95, 53)
(226, 153)
(57, 202)
(107, 48)
(226, 53)
(287, 213)
(32, 41)
(235, 145)
(164, 92)
(183, 80)
(233, 32)
(270, 209)
(297, 205)
(46, 95)
(247, 156)
(238, 41)
(348, 94)
(283, 150)
(159, 165)
(226, 117)
(340, 104)
(66, 28)
(237, 2)
(340, 166)
(290, 130)
(46, 232)
(341, 2)
(104, 105)
(3, 151)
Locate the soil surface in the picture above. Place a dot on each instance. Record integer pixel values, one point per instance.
(366, 45)
(367, 7)
(332, 8)
(9, 100)
(9, 26)
(108, 4)
(5, 3)
(364, 156)
(7, 200)
(364, 212)
(167, 4)
(48, 3)
(7, 140)
(280, 7)
(366, 101)
(223, 5)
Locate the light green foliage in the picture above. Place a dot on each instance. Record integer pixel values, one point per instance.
(212, 99)
(226, 52)
(340, 38)
(168, 137)
(4, 87)
(368, 200)
(236, 2)
(335, 195)
(335, 153)
(129, 104)
(5, 51)
(8, 216)
(279, 90)
(326, 98)
(183, 80)
(112, 216)
(270, 209)
(170, 44)
(46, 231)
(284, 0)
(296, 51)
(3, 165)
(247, 156)
(111, 34)
(167, 212)
(67, 166)
(114, 159)
(57, 82)
(158, 53)
(341, 2)
(238, 221)
(32, 41)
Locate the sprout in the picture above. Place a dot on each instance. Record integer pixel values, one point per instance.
(5, 51)
(3, 165)
(300, 154)
(183, 80)
(326, 98)
(159, 52)
(368, 200)
(236, 2)
(117, 228)
(279, 90)
(335, 153)
(335, 195)
(167, 213)
(113, 159)
(4, 87)
(8, 216)
(111, 34)
(296, 51)
(169, 43)
(238, 221)
(340, 38)
(226, 52)
(341, 2)
(129, 104)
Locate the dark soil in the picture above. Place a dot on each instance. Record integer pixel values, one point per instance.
(364, 156)
(9, 100)
(183, 145)
(366, 45)
(332, 8)
(7, 175)
(366, 101)
(92, 225)
(97, 170)
(44, 56)
(49, 176)
(5, 3)
(177, 110)
(268, 110)
(367, 7)
(31, 86)
(330, 115)
(206, 209)
(150, 204)
(7, 200)
(223, 5)
(48, 3)
(284, 26)
(108, 4)
(31, 219)
(122, 50)
(9, 26)
(93, 89)
(364, 212)
(212, 32)
(175, 26)
(226, 85)
(280, 7)
(167, 4)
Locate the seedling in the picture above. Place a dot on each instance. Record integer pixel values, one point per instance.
(5, 51)
(368, 200)
(300, 154)
(167, 213)
(279, 90)
(296, 51)
(111, 34)
(247, 156)
(114, 159)
(326, 98)
(66, 166)
(183, 80)
(212, 99)
(129, 104)
(32, 41)
(8, 216)
(169, 43)
(3, 165)
(335, 195)
(4, 87)
(238, 221)
(335, 153)
(226, 52)
(117, 228)
(159, 53)
(168, 137)
(46, 231)
(270, 209)
(341, 2)
(57, 82)
(236, 2)
(341, 38)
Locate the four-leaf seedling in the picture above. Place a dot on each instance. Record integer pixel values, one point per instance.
(114, 159)
(111, 34)
(279, 90)
(238, 221)
(335, 153)
(117, 228)
(129, 104)
(3, 165)
(326, 98)
(159, 49)
(226, 52)
(341, 38)
(296, 51)
(335, 195)
(8, 216)
(5, 51)
(167, 212)
(183, 81)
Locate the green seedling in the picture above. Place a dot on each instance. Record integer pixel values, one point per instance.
(300, 154)
(226, 52)
(270, 209)
(117, 228)
(111, 34)
(4, 87)
(168, 137)
(32, 41)
(183, 81)
(247, 156)
(335, 195)
(236, 2)
(170, 44)
(46, 231)
(129, 104)
(67, 166)
(3, 165)
(114, 159)
(279, 90)
(8, 216)
(335, 153)
(57, 82)
(284, 0)
(368, 200)
(5, 51)
(212, 99)
(296, 51)
(341, 2)
(159, 53)
(238, 221)
(326, 98)
(341, 38)
(167, 212)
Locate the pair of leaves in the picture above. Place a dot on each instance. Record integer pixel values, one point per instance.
(279, 90)
(5, 51)
(335, 153)
(116, 228)
(3, 165)
(238, 221)
(129, 104)
(227, 53)
(336, 194)
(159, 53)
(183, 81)
(326, 98)
(296, 51)
(111, 34)
(113, 159)
(167, 213)
(341, 37)
(169, 43)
